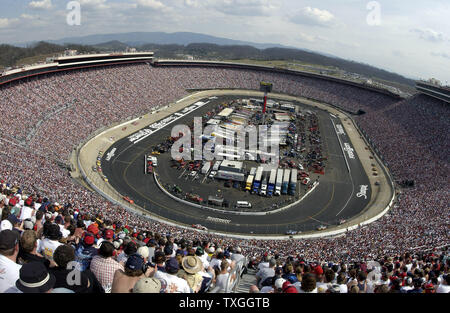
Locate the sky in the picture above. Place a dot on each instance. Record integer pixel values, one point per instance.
(409, 37)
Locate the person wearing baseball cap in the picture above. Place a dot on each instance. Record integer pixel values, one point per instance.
(9, 269)
(5, 224)
(16, 223)
(35, 278)
(289, 288)
(178, 284)
(278, 284)
(135, 269)
(85, 251)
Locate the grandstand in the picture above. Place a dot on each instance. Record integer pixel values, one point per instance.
(432, 90)
(48, 110)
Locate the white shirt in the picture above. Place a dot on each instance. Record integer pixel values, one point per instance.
(9, 273)
(122, 258)
(298, 285)
(322, 287)
(99, 242)
(266, 289)
(151, 253)
(87, 223)
(204, 259)
(215, 262)
(443, 289)
(65, 232)
(221, 282)
(26, 212)
(301, 291)
(237, 257)
(343, 288)
(370, 287)
(47, 247)
(406, 288)
(263, 265)
(181, 286)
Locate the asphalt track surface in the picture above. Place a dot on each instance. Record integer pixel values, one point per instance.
(338, 195)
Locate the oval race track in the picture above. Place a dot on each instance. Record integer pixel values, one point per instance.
(335, 198)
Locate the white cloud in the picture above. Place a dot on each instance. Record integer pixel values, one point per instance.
(314, 17)
(44, 4)
(192, 3)
(7, 22)
(28, 16)
(152, 4)
(237, 7)
(94, 4)
(441, 54)
(4, 22)
(430, 34)
(310, 37)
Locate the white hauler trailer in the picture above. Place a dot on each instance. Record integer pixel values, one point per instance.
(216, 166)
(293, 183)
(264, 180)
(206, 167)
(279, 182)
(154, 160)
(272, 181)
(285, 184)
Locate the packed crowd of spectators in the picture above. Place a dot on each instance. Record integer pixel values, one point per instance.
(44, 118)
(404, 273)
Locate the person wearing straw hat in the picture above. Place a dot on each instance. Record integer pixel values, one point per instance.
(192, 265)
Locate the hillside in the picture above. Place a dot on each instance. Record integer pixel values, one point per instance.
(239, 52)
(17, 56)
(299, 59)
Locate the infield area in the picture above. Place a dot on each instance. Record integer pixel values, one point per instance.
(342, 193)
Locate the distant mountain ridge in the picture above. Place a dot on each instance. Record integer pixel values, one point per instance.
(201, 46)
(162, 38)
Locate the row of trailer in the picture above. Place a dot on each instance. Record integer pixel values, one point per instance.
(274, 182)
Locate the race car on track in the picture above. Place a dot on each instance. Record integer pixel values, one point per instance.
(127, 199)
(198, 226)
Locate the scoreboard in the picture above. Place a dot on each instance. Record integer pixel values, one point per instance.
(265, 87)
